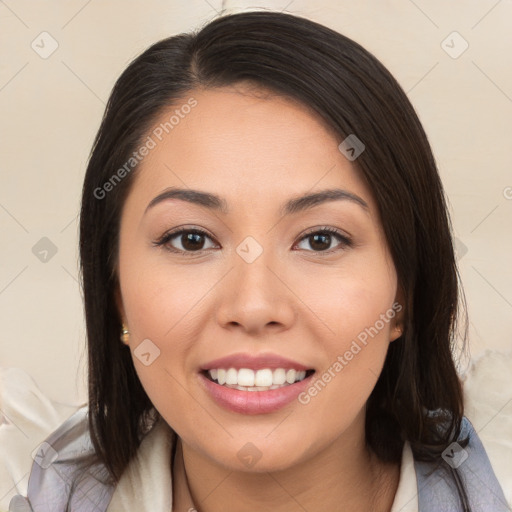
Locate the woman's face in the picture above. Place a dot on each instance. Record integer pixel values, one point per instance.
(263, 297)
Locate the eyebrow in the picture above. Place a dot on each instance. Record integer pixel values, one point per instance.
(292, 206)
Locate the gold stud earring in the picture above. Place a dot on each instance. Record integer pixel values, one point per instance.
(125, 334)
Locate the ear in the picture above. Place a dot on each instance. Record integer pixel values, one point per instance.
(397, 323)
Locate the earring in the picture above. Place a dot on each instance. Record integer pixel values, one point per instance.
(125, 334)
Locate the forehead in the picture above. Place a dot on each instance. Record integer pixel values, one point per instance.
(243, 143)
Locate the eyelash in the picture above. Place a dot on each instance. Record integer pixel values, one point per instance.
(167, 237)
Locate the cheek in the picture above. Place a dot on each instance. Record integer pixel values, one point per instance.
(351, 299)
(161, 300)
(154, 301)
(356, 311)
(160, 308)
(168, 308)
(352, 362)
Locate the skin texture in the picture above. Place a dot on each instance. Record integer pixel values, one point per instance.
(257, 150)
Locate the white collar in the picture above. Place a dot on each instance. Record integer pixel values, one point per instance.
(406, 497)
(146, 483)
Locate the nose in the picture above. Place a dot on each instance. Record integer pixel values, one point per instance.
(256, 298)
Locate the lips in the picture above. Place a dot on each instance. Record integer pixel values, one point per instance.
(249, 384)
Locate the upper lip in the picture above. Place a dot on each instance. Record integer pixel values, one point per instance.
(254, 362)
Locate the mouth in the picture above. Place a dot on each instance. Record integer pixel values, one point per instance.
(257, 380)
(261, 383)
(254, 391)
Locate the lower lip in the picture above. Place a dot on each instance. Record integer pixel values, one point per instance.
(254, 402)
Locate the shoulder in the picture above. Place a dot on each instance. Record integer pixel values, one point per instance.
(464, 463)
(54, 477)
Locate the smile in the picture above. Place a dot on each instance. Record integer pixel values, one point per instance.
(254, 383)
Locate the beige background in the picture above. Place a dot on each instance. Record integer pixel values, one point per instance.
(51, 109)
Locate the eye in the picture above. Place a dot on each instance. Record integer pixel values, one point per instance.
(320, 239)
(188, 241)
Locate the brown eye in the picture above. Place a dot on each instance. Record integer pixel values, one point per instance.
(185, 241)
(191, 241)
(321, 240)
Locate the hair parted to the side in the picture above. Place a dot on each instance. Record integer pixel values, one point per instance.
(354, 94)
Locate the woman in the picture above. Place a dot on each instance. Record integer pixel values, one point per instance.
(264, 227)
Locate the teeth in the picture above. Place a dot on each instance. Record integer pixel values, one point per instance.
(231, 376)
(290, 376)
(263, 378)
(279, 376)
(246, 379)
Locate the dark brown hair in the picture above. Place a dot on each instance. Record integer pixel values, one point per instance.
(353, 93)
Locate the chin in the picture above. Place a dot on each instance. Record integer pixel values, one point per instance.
(259, 454)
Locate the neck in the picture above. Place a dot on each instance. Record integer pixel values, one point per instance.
(344, 472)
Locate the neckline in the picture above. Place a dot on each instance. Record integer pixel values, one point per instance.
(180, 485)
